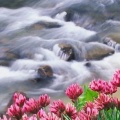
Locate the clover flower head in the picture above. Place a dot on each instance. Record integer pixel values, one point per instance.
(19, 99)
(116, 78)
(57, 107)
(15, 111)
(74, 91)
(97, 85)
(70, 111)
(44, 100)
(31, 106)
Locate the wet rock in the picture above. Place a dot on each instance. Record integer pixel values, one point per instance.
(111, 29)
(3, 57)
(4, 62)
(11, 56)
(44, 24)
(87, 64)
(6, 56)
(36, 26)
(115, 37)
(64, 51)
(110, 42)
(97, 51)
(44, 72)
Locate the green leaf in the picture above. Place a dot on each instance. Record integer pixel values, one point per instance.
(88, 95)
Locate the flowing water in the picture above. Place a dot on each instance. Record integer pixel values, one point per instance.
(22, 52)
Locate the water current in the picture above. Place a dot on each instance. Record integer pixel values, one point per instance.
(31, 35)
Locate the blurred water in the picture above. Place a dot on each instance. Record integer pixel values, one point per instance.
(24, 33)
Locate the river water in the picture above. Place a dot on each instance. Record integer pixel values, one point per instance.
(26, 37)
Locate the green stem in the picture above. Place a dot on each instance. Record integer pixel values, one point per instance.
(104, 112)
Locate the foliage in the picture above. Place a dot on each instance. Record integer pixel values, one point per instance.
(88, 95)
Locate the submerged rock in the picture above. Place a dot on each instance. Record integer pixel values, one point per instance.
(44, 72)
(6, 56)
(111, 29)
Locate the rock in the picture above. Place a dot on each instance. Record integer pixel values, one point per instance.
(6, 56)
(109, 42)
(115, 37)
(64, 51)
(112, 43)
(4, 62)
(36, 26)
(97, 51)
(11, 56)
(44, 24)
(111, 29)
(45, 71)
(68, 49)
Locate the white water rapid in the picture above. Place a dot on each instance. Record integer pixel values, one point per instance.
(26, 43)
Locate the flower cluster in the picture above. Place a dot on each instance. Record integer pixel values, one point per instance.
(98, 108)
(103, 86)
